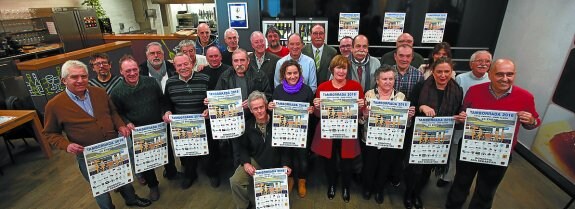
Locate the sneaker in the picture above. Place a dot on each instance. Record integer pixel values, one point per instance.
(139, 202)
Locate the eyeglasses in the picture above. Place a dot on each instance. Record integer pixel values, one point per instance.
(317, 33)
(482, 61)
(156, 53)
(405, 41)
(501, 74)
(100, 64)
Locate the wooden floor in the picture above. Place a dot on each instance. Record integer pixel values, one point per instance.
(36, 182)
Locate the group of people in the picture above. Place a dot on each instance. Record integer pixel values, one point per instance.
(150, 92)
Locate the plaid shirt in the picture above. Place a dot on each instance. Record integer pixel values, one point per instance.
(405, 83)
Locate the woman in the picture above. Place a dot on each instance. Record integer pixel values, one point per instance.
(442, 49)
(437, 96)
(293, 89)
(378, 161)
(338, 151)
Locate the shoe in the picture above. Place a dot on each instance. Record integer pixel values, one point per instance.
(417, 203)
(301, 190)
(141, 179)
(169, 176)
(407, 202)
(345, 194)
(366, 194)
(186, 183)
(139, 202)
(154, 193)
(331, 192)
(214, 182)
(395, 183)
(441, 183)
(379, 197)
(290, 184)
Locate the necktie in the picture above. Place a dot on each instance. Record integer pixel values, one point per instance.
(359, 73)
(316, 59)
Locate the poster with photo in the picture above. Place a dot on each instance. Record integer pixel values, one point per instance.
(226, 113)
(271, 188)
(339, 114)
(189, 137)
(108, 165)
(150, 146)
(348, 25)
(290, 124)
(488, 136)
(393, 24)
(431, 140)
(238, 15)
(387, 123)
(434, 27)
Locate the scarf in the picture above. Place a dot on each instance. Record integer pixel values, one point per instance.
(292, 89)
(155, 74)
(366, 70)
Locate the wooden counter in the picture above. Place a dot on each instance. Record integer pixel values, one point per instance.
(130, 37)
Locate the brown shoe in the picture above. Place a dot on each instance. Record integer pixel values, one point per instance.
(154, 194)
(290, 184)
(301, 190)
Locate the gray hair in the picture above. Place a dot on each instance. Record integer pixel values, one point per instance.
(181, 54)
(184, 43)
(240, 50)
(72, 64)
(255, 95)
(255, 33)
(384, 69)
(153, 44)
(231, 30)
(480, 52)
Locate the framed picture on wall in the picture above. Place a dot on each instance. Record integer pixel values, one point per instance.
(238, 15)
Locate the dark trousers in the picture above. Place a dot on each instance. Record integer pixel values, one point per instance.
(151, 179)
(416, 177)
(298, 157)
(488, 179)
(211, 166)
(331, 166)
(377, 166)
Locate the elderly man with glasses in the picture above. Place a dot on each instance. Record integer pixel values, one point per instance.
(100, 63)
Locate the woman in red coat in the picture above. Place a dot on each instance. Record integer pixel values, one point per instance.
(342, 151)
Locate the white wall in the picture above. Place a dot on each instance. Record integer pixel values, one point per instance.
(11, 4)
(120, 11)
(537, 35)
(156, 23)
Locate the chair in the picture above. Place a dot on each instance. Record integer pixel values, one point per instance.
(21, 132)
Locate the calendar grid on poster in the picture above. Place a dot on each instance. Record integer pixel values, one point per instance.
(387, 123)
(226, 113)
(150, 146)
(434, 27)
(189, 137)
(290, 124)
(339, 114)
(271, 188)
(488, 136)
(431, 140)
(393, 24)
(348, 25)
(108, 165)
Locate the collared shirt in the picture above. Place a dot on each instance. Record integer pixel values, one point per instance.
(502, 95)
(308, 70)
(315, 49)
(186, 80)
(405, 83)
(260, 60)
(85, 104)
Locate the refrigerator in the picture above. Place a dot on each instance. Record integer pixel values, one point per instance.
(78, 28)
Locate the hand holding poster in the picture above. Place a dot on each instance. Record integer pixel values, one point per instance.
(108, 165)
(431, 140)
(271, 188)
(150, 146)
(488, 136)
(434, 27)
(339, 114)
(387, 123)
(392, 26)
(348, 25)
(189, 135)
(226, 113)
(290, 124)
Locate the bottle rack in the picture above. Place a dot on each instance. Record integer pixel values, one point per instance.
(304, 28)
(285, 28)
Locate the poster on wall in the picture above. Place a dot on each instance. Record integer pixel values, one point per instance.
(488, 136)
(150, 146)
(339, 114)
(434, 27)
(238, 15)
(189, 136)
(290, 124)
(393, 24)
(387, 123)
(108, 165)
(226, 113)
(271, 188)
(348, 25)
(431, 140)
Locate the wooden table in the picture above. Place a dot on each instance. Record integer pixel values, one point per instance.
(22, 117)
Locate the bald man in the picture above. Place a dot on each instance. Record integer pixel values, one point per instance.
(261, 59)
(404, 38)
(206, 39)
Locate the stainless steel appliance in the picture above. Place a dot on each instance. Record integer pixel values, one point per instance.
(78, 28)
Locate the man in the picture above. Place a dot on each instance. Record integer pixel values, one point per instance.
(185, 94)
(320, 52)
(362, 65)
(479, 63)
(345, 45)
(215, 66)
(245, 77)
(206, 39)
(188, 47)
(499, 94)
(231, 38)
(253, 152)
(88, 117)
(407, 74)
(101, 65)
(274, 46)
(405, 38)
(261, 60)
(295, 44)
(156, 66)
